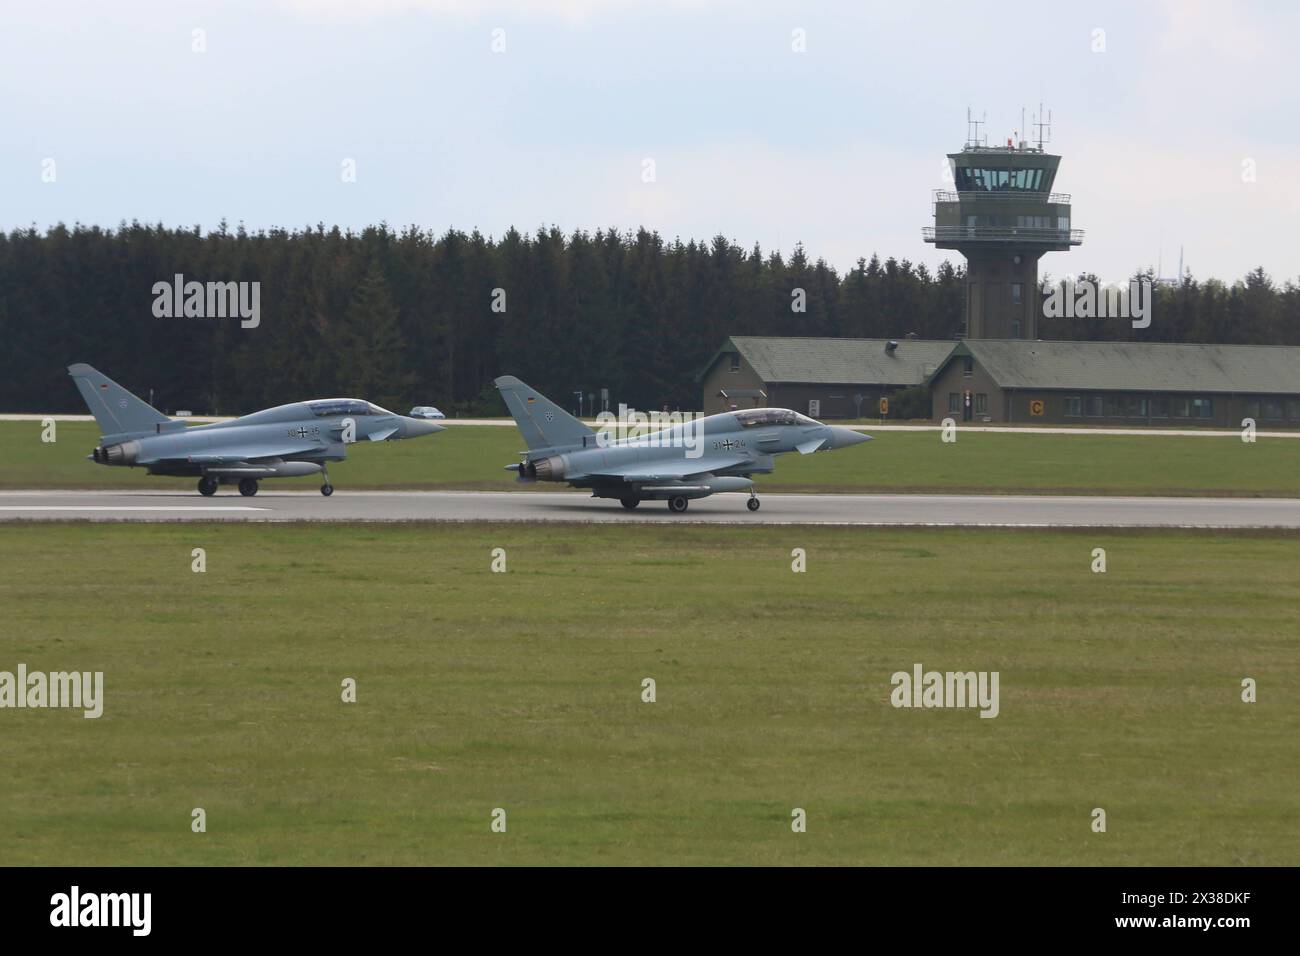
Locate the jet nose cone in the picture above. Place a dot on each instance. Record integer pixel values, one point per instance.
(842, 437)
(415, 427)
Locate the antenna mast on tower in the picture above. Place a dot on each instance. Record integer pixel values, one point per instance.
(1044, 129)
(973, 125)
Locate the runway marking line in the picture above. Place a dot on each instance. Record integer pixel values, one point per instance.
(126, 508)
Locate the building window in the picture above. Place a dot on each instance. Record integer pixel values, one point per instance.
(982, 179)
(735, 361)
(1293, 409)
(954, 401)
(1160, 406)
(1204, 408)
(1272, 408)
(1092, 406)
(1073, 406)
(1015, 328)
(1252, 408)
(1015, 293)
(981, 403)
(968, 367)
(1135, 406)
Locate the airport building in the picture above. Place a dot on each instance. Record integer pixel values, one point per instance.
(1012, 381)
(1118, 383)
(821, 377)
(1003, 217)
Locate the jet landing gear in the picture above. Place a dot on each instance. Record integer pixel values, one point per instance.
(752, 503)
(326, 489)
(207, 486)
(678, 503)
(248, 487)
(629, 501)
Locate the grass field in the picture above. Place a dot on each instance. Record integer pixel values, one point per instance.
(521, 690)
(473, 457)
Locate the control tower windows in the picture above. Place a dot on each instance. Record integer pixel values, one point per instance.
(979, 179)
(1016, 222)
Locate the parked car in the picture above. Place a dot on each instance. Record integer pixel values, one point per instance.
(426, 411)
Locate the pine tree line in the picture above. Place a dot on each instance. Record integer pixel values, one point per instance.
(410, 317)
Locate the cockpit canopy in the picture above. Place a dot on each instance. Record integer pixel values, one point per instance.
(751, 417)
(329, 407)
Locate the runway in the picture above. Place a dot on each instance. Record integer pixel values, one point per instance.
(1028, 511)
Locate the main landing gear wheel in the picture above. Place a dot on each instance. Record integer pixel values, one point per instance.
(678, 503)
(207, 486)
(752, 504)
(327, 490)
(248, 487)
(629, 502)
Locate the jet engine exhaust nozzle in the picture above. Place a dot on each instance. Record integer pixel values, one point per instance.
(549, 469)
(121, 454)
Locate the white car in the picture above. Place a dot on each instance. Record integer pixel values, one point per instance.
(426, 411)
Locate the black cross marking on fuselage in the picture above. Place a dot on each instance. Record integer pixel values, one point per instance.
(729, 444)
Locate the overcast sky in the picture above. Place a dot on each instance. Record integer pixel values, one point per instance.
(1183, 131)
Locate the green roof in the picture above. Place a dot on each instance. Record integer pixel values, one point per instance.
(825, 361)
(1137, 366)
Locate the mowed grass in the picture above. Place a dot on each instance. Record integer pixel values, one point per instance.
(522, 690)
(474, 458)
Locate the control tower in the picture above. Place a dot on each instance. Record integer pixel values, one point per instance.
(1002, 217)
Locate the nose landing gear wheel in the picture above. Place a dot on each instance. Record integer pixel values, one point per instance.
(678, 503)
(207, 487)
(752, 504)
(629, 502)
(248, 487)
(327, 490)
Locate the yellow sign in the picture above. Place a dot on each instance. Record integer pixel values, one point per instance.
(1036, 407)
(884, 406)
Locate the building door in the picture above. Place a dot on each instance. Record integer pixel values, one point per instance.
(966, 410)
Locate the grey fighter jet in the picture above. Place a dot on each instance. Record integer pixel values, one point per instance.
(687, 460)
(288, 441)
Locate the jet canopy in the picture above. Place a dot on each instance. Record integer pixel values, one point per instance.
(752, 417)
(329, 407)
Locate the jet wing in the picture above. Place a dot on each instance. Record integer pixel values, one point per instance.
(670, 469)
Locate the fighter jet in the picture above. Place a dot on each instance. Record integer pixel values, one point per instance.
(287, 441)
(683, 461)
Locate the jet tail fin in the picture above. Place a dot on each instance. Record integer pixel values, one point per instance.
(118, 412)
(543, 424)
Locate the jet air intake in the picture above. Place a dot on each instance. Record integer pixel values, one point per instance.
(265, 469)
(697, 488)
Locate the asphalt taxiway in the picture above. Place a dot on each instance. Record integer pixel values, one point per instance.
(1045, 511)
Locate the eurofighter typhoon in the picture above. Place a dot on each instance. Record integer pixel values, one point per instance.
(692, 459)
(287, 441)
